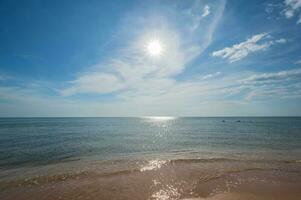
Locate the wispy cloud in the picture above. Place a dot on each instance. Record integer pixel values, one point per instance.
(197, 14)
(211, 94)
(206, 11)
(271, 8)
(281, 41)
(239, 51)
(4, 77)
(277, 76)
(283, 84)
(127, 81)
(292, 8)
(132, 70)
(209, 76)
(94, 83)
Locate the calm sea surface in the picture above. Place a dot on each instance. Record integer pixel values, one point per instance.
(41, 141)
(153, 158)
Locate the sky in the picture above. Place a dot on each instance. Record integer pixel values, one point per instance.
(150, 58)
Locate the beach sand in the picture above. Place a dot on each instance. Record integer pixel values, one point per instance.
(190, 179)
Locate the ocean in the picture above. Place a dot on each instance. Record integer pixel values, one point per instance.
(148, 157)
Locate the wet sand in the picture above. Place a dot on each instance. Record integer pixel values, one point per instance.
(212, 179)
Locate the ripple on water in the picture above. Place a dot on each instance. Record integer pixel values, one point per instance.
(153, 165)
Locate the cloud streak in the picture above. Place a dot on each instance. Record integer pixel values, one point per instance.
(292, 8)
(132, 70)
(282, 85)
(241, 50)
(196, 14)
(278, 76)
(206, 11)
(127, 81)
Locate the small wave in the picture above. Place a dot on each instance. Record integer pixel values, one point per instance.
(153, 165)
(218, 175)
(200, 160)
(289, 161)
(209, 160)
(122, 172)
(44, 179)
(166, 193)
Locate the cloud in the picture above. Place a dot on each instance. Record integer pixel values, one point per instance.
(131, 70)
(94, 83)
(4, 77)
(129, 82)
(270, 8)
(243, 49)
(289, 8)
(211, 94)
(282, 85)
(206, 11)
(281, 41)
(277, 76)
(196, 14)
(292, 8)
(209, 76)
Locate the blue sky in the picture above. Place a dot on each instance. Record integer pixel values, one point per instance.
(93, 58)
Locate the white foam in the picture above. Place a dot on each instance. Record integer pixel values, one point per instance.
(168, 193)
(153, 165)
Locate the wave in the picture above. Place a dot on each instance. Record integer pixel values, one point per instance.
(201, 160)
(146, 167)
(37, 180)
(154, 165)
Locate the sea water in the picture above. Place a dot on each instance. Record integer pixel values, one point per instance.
(155, 158)
(40, 141)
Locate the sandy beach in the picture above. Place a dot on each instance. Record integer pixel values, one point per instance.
(191, 179)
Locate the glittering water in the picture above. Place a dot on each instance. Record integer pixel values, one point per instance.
(156, 158)
(40, 141)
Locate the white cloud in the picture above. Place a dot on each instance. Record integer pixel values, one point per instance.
(292, 7)
(273, 7)
(243, 49)
(196, 14)
(206, 11)
(209, 76)
(132, 71)
(281, 85)
(212, 94)
(281, 41)
(276, 76)
(144, 85)
(94, 83)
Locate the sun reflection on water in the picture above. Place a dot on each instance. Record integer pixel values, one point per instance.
(160, 118)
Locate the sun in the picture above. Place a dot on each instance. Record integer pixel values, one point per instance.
(154, 48)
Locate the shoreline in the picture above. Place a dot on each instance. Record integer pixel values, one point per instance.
(211, 179)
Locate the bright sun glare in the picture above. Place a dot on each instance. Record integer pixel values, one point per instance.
(154, 48)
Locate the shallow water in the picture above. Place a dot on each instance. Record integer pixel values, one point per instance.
(149, 158)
